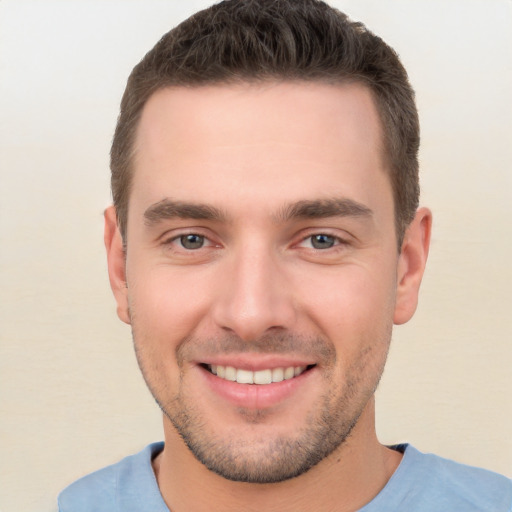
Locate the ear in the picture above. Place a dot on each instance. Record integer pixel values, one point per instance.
(411, 265)
(116, 263)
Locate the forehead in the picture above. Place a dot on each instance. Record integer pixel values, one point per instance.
(258, 142)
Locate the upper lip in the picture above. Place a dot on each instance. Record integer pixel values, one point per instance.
(256, 362)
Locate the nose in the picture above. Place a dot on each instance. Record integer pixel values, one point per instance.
(254, 295)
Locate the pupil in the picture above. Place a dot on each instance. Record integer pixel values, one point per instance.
(192, 241)
(322, 241)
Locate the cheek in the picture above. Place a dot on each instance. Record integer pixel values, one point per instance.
(167, 302)
(165, 308)
(352, 302)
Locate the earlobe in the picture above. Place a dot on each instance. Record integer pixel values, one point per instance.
(116, 263)
(411, 265)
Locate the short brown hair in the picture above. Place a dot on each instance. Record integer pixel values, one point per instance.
(255, 40)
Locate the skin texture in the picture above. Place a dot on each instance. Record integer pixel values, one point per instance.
(292, 261)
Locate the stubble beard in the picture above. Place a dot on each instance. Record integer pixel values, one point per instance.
(265, 459)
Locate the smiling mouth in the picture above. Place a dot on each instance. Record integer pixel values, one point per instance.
(267, 376)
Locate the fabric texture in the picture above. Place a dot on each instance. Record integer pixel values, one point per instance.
(421, 483)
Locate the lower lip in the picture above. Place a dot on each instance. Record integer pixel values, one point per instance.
(256, 396)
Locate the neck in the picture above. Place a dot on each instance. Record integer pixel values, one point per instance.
(345, 481)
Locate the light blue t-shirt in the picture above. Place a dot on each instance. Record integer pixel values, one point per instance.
(421, 483)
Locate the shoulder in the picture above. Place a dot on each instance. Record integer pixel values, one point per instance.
(92, 492)
(442, 484)
(103, 490)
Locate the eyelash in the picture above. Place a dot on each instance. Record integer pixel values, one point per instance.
(179, 239)
(337, 242)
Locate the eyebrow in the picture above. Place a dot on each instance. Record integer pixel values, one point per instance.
(168, 209)
(323, 208)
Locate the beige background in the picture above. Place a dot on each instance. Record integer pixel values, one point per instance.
(71, 398)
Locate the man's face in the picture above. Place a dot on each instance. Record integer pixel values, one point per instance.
(261, 246)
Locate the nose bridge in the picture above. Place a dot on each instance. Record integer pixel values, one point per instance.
(253, 294)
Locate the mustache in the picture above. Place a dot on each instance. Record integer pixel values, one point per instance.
(308, 347)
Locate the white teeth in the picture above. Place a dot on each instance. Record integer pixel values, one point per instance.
(259, 377)
(230, 373)
(262, 377)
(277, 375)
(244, 377)
(289, 373)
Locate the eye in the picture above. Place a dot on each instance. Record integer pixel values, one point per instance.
(322, 241)
(192, 241)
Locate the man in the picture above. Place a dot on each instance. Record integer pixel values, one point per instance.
(265, 237)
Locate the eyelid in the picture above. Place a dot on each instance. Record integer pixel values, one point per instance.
(174, 235)
(343, 238)
(338, 241)
(176, 232)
